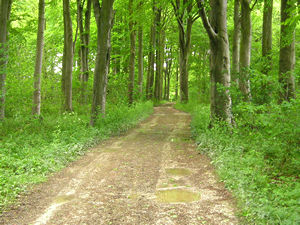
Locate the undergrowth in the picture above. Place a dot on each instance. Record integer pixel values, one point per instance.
(258, 160)
(31, 148)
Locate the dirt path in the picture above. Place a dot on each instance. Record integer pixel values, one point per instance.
(152, 175)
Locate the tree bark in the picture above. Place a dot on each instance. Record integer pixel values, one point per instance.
(140, 57)
(287, 53)
(220, 59)
(36, 110)
(84, 33)
(141, 61)
(161, 62)
(176, 81)
(183, 9)
(245, 49)
(158, 74)
(151, 61)
(168, 75)
(117, 48)
(104, 26)
(168, 85)
(165, 82)
(236, 42)
(67, 58)
(132, 54)
(5, 8)
(267, 36)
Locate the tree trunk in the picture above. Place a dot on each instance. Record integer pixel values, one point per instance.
(168, 86)
(176, 82)
(5, 8)
(236, 42)
(140, 56)
(104, 26)
(267, 36)
(287, 53)
(185, 31)
(220, 59)
(132, 54)
(183, 71)
(141, 60)
(161, 62)
(84, 33)
(36, 110)
(165, 83)
(245, 49)
(151, 56)
(117, 47)
(167, 76)
(165, 79)
(157, 88)
(67, 58)
(151, 61)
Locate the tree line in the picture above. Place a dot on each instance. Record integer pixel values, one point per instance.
(154, 38)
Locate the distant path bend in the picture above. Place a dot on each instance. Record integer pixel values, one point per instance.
(151, 175)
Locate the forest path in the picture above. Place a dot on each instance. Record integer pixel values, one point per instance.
(151, 175)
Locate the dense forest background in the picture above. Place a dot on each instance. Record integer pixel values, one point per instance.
(75, 72)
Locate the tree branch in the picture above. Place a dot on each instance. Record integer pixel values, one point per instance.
(253, 5)
(178, 17)
(210, 31)
(195, 17)
(176, 11)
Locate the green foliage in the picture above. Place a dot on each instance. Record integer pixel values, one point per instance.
(265, 142)
(258, 160)
(32, 148)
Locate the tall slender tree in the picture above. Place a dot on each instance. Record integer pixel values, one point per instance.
(84, 32)
(176, 79)
(132, 31)
(236, 41)
(267, 36)
(216, 29)
(5, 8)
(151, 55)
(167, 71)
(159, 49)
(140, 54)
(245, 49)
(117, 47)
(184, 9)
(162, 18)
(287, 52)
(104, 16)
(36, 110)
(67, 66)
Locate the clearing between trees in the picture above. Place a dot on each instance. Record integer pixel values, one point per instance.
(151, 175)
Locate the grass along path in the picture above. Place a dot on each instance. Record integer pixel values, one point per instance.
(31, 149)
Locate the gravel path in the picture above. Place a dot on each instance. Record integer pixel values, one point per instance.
(151, 175)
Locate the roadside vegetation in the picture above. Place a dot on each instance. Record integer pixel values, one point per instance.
(258, 159)
(33, 148)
